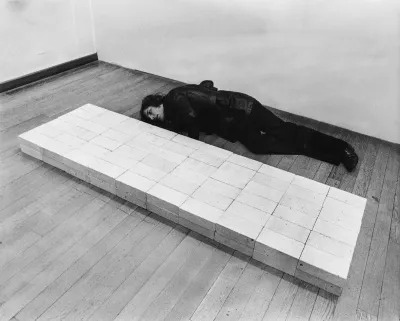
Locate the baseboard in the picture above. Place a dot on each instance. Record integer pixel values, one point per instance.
(51, 71)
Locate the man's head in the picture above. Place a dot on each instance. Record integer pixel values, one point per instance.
(152, 110)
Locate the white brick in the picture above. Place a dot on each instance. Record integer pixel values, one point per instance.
(103, 170)
(271, 181)
(36, 153)
(200, 213)
(245, 162)
(221, 188)
(197, 228)
(161, 132)
(330, 245)
(295, 217)
(129, 126)
(233, 174)
(278, 251)
(249, 213)
(56, 164)
(120, 160)
(216, 151)
(263, 191)
(77, 156)
(94, 150)
(306, 194)
(257, 202)
(83, 125)
(148, 172)
(189, 175)
(329, 287)
(108, 119)
(276, 172)
(180, 184)
(147, 138)
(238, 228)
(337, 232)
(34, 140)
(165, 198)
(159, 163)
(212, 198)
(198, 167)
(104, 184)
(207, 158)
(106, 142)
(345, 219)
(170, 156)
(331, 204)
(277, 260)
(324, 266)
(288, 229)
(348, 198)
(162, 212)
(117, 136)
(133, 187)
(311, 185)
(271, 240)
(178, 148)
(48, 130)
(301, 205)
(130, 152)
(187, 141)
(70, 140)
(243, 248)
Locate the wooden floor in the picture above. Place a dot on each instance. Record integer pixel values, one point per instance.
(70, 251)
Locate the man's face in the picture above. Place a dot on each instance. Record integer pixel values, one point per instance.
(155, 113)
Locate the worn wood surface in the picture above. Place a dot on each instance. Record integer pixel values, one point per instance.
(71, 251)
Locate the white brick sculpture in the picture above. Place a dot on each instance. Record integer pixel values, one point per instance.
(294, 224)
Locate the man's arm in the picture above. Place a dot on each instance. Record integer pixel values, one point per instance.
(187, 117)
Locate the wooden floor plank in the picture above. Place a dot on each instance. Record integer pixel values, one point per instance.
(235, 303)
(100, 282)
(52, 271)
(53, 291)
(261, 297)
(216, 296)
(395, 226)
(373, 277)
(389, 307)
(132, 285)
(283, 299)
(303, 303)
(159, 280)
(170, 295)
(324, 306)
(200, 285)
(53, 244)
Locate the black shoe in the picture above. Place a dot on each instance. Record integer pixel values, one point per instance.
(350, 158)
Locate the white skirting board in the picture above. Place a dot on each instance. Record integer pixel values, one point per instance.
(296, 225)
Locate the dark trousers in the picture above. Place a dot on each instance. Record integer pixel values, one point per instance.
(265, 133)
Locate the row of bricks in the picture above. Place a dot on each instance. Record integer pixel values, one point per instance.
(298, 188)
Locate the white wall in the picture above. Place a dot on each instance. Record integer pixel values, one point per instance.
(335, 61)
(37, 34)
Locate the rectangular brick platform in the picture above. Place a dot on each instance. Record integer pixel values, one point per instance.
(294, 224)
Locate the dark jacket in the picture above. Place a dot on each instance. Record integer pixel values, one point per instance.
(204, 108)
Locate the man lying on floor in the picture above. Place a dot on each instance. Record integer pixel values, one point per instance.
(239, 117)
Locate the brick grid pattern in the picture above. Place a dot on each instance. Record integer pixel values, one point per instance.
(296, 225)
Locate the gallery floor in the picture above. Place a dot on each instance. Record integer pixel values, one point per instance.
(70, 251)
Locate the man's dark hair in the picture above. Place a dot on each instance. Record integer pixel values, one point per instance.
(154, 100)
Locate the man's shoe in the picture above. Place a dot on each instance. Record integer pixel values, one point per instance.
(350, 159)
